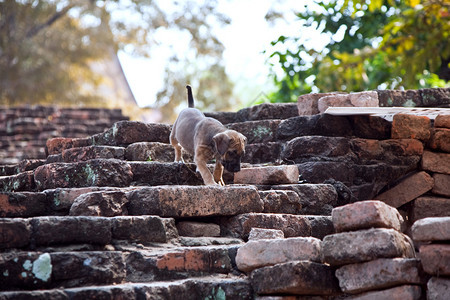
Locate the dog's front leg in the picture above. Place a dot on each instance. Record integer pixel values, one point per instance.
(202, 155)
(208, 178)
(218, 172)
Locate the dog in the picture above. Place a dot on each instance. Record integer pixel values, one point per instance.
(206, 138)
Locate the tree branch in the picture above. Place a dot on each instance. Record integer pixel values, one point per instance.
(36, 29)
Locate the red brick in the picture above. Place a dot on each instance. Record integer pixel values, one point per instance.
(435, 259)
(291, 225)
(366, 214)
(411, 127)
(442, 121)
(440, 140)
(361, 99)
(267, 175)
(177, 201)
(307, 104)
(364, 245)
(436, 162)
(14, 233)
(198, 229)
(441, 184)
(424, 207)
(262, 253)
(299, 278)
(378, 274)
(407, 190)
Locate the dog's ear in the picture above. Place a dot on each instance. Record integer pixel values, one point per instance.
(222, 142)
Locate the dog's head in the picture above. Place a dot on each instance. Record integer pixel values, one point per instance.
(230, 145)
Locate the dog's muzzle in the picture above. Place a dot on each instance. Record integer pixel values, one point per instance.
(232, 165)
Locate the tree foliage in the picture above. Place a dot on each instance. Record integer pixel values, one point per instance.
(47, 47)
(373, 44)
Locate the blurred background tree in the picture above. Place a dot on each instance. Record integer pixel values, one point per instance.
(375, 44)
(47, 48)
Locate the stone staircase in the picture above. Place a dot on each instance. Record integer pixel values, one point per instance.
(110, 216)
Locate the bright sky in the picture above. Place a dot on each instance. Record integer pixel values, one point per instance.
(244, 40)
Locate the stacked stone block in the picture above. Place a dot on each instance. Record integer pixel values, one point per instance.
(433, 236)
(372, 256)
(291, 266)
(24, 130)
(426, 191)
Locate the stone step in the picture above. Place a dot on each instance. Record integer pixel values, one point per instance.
(122, 263)
(38, 232)
(210, 287)
(171, 200)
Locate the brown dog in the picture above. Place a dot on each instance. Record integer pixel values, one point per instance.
(206, 138)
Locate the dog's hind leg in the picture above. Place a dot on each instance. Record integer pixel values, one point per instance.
(177, 147)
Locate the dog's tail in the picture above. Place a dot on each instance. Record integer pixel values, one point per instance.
(190, 97)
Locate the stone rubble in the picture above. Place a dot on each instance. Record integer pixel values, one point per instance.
(433, 236)
(110, 215)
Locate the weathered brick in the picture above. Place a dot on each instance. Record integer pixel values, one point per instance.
(143, 229)
(153, 151)
(366, 214)
(403, 292)
(102, 204)
(96, 172)
(262, 253)
(307, 104)
(257, 131)
(23, 204)
(278, 201)
(267, 175)
(435, 259)
(441, 184)
(198, 229)
(15, 183)
(299, 277)
(157, 173)
(407, 190)
(353, 247)
(92, 152)
(259, 153)
(361, 99)
(59, 144)
(265, 234)
(124, 133)
(32, 270)
(291, 225)
(428, 206)
(438, 288)
(315, 199)
(69, 230)
(436, 162)
(431, 229)
(411, 127)
(177, 201)
(14, 233)
(440, 140)
(268, 111)
(70, 269)
(442, 121)
(61, 199)
(378, 274)
(178, 263)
